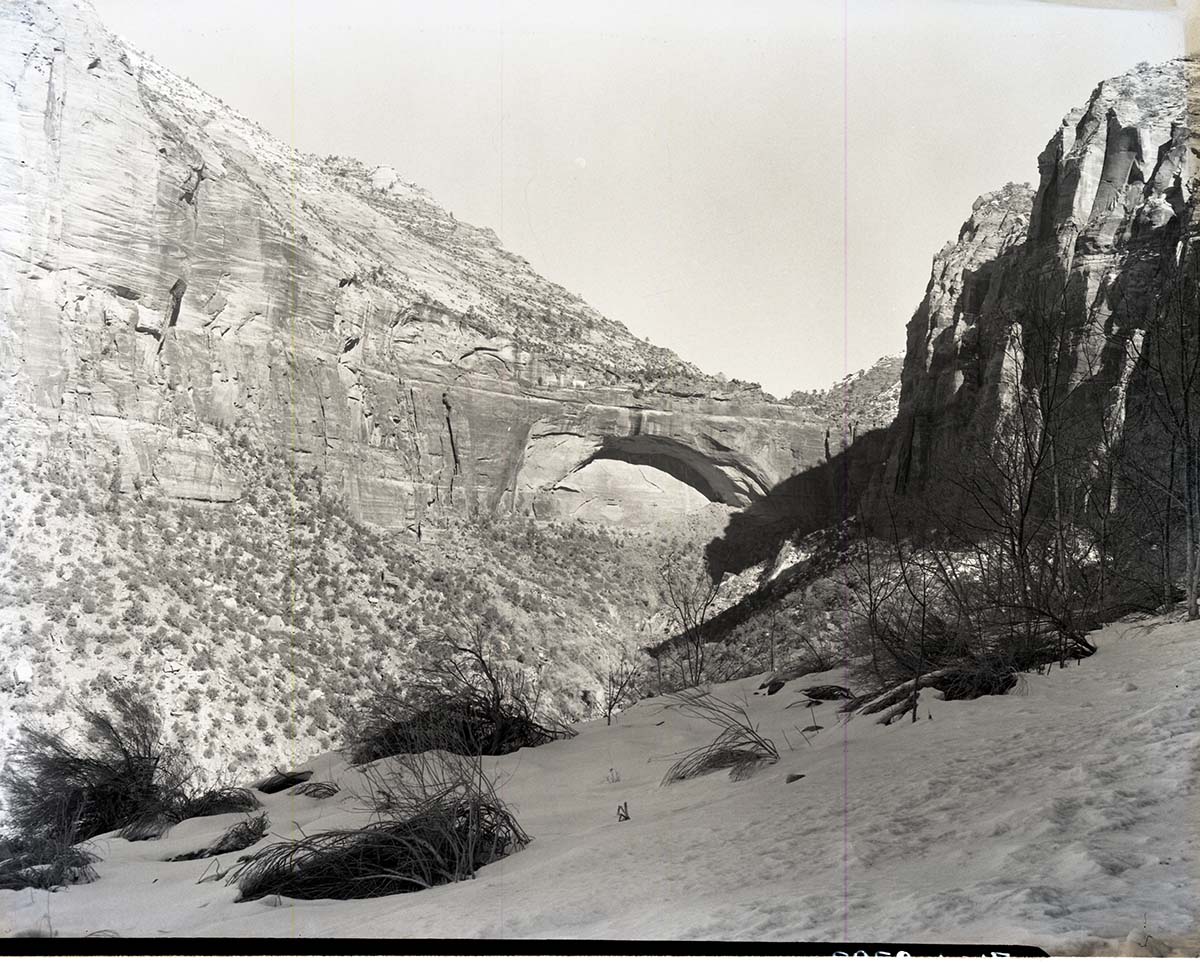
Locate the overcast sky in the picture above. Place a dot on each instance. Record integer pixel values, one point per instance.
(687, 167)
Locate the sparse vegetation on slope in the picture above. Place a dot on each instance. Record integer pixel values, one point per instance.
(788, 618)
(262, 621)
(865, 400)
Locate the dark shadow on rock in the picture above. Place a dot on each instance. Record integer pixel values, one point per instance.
(817, 498)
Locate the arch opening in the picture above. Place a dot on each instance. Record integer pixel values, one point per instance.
(641, 479)
(685, 465)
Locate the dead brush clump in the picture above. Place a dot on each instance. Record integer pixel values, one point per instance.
(966, 614)
(128, 778)
(468, 702)
(44, 863)
(402, 723)
(209, 803)
(739, 747)
(185, 805)
(438, 819)
(985, 674)
(238, 837)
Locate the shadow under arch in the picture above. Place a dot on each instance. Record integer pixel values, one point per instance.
(817, 498)
(706, 473)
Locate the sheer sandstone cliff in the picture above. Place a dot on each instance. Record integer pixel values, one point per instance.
(169, 271)
(1086, 251)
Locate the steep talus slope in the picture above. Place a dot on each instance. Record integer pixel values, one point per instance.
(1086, 250)
(168, 270)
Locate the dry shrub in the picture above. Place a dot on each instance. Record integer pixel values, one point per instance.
(439, 819)
(985, 675)
(56, 788)
(827, 693)
(128, 778)
(147, 826)
(739, 747)
(153, 823)
(468, 704)
(238, 837)
(44, 863)
(954, 619)
(209, 803)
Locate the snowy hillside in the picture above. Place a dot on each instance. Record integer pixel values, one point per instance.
(1062, 814)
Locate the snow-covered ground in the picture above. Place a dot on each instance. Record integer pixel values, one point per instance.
(1063, 814)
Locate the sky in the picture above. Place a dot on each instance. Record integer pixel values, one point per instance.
(759, 186)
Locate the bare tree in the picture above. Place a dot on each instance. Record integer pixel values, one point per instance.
(620, 682)
(893, 599)
(690, 592)
(1170, 366)
(1024, 482)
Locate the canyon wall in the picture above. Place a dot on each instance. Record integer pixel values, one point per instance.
(170, 272)
(1086, 250)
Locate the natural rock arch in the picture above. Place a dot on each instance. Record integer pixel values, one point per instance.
(630, 479)
(683, 463)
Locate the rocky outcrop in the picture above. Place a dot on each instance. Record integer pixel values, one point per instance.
(861, 402)
(169, 272)
(953, 347)
(1086, 250)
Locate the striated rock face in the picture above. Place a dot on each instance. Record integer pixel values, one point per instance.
(169, 271)
(953, 351)
(1085, 250)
